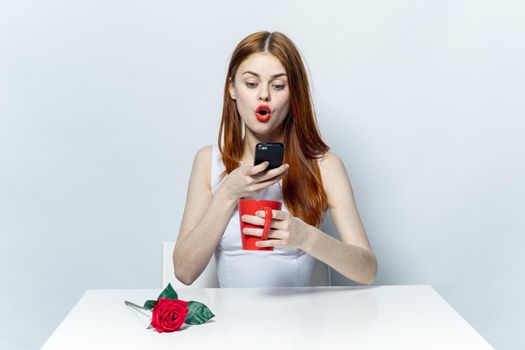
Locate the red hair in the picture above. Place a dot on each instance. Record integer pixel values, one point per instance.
(302, 188)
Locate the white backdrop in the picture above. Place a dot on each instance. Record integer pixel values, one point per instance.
(103, 105)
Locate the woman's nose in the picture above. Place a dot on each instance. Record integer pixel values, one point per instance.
(264, 95)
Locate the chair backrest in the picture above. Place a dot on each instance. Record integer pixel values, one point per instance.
(208, 278)
(320, 274)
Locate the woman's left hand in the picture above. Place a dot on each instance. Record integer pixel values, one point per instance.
(285, 231)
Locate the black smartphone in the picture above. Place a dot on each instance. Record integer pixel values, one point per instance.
(273, 152)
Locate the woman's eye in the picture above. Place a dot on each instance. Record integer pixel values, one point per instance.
(278, 86)
(251, 85)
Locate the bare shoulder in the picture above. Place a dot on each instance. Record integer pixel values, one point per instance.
(202, 164)
(204, 154)
(330, 163)
(335, 179)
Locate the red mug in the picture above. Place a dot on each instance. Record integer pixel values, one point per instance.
(249, 207)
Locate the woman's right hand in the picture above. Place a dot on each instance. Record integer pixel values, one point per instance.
(246, 180)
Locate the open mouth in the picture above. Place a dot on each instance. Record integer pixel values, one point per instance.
(263, 113)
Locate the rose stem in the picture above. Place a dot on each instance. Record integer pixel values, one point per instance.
(129, 303)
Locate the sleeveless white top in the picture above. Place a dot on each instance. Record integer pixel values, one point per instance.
(282, 267)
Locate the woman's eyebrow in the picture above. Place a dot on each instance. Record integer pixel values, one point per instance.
(257, 75)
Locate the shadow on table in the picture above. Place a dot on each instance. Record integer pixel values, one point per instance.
(360, 307)
(292, 291)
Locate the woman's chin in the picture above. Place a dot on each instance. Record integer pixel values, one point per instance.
(261, 128)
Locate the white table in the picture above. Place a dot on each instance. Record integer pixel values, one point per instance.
(375, 317)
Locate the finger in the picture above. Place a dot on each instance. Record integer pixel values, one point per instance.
(258, 168)
(271, 243)
(255, 220)
(274, 234)
(261, 185)
(267, 179)
(276, 214)
(264, 176)
(253, 232)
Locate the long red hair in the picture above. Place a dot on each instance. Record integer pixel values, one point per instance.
(302, 187)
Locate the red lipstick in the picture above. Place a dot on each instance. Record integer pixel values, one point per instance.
(263, 113)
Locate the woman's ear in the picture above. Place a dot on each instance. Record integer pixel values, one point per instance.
(231, 88)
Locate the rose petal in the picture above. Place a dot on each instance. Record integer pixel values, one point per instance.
(169, 315)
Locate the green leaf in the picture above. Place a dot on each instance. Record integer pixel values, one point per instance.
(149, 304)
(198, 313)
(168, 293)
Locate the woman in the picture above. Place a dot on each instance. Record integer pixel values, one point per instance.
(266, 72)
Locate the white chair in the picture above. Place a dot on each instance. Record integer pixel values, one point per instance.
(208, 278)
(320, 274)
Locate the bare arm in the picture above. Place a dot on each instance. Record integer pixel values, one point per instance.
(196, 243)
(352, 256)
(206, 215)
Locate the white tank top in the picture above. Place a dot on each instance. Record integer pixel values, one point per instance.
(282, 267)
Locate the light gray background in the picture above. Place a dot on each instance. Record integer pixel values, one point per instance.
(103, 105)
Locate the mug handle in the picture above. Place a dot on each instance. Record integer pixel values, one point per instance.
(267, 223)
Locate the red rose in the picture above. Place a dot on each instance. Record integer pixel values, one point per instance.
(169, 315)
